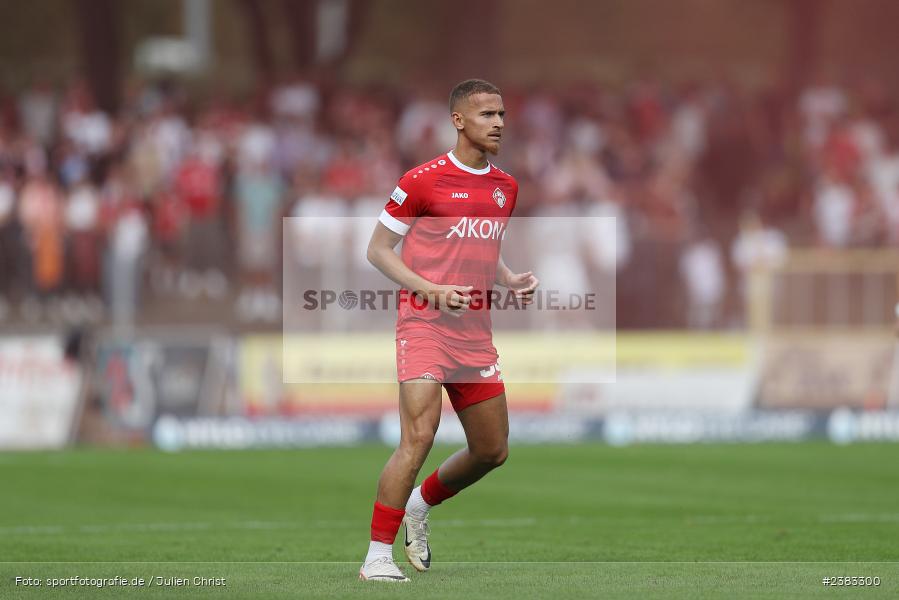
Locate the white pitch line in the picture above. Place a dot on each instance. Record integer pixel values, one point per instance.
(251, 525)
(33, 530)
(827, 518)
(455, 562)
(724, 519)
(861, 518)
(27, 530)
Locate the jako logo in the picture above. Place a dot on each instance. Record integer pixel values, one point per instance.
(477, 228)
(459, 195)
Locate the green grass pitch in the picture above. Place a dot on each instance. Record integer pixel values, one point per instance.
(579, 521)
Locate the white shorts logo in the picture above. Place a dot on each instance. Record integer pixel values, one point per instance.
(398, 196)
(488, 372)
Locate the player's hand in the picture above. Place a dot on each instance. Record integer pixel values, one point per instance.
(451, 299)
(524, 285)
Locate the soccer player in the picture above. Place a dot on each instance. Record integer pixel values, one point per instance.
(451, 214)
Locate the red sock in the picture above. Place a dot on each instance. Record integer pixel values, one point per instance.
(385, 522)
(435, 492)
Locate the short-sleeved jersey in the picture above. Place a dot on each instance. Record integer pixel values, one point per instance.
(454, 220)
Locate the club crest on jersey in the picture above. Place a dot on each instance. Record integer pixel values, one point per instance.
(499, 197)
(398, 196)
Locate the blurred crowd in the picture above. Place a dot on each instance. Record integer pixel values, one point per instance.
(178, 198)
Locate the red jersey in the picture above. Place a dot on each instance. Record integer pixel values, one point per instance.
(454, 219)
(197, 185)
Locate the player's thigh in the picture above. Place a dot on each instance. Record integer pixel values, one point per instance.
(486, 425)
(420, 403)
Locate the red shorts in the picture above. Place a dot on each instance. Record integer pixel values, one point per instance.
(426, 358)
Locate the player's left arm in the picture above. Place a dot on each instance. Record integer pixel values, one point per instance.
(523, 284)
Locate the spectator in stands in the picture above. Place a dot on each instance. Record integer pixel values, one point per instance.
(82, 221)
(38, 113)
(882, 174)
(423, 130)
(259, 195)
(834, 209)
(87, 127)
(198, 188)
(702, 269)
(345, 174)
(823, 168)
(127, 250)
(41, 216)
(9, 242)
(757, 249)
(296, 99)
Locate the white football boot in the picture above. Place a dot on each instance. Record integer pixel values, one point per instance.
(416, 543)
(381, 569)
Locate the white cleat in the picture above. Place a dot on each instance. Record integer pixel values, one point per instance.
(381, 569)
(416, 543)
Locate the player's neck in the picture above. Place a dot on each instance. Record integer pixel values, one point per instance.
(470, 156)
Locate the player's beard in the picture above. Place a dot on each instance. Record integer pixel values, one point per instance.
(485, 144)
(491, 146)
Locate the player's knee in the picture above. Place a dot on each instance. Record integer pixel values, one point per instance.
(501, 456)
(493, 456)
(421, 439)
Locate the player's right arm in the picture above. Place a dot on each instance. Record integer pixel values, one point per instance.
(395, 221)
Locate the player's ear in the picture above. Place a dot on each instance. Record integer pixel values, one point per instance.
(458, 121)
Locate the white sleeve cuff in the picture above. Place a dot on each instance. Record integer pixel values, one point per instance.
(392, 223)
